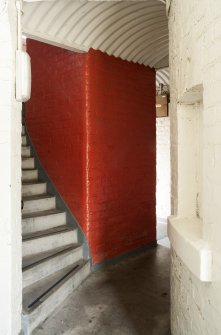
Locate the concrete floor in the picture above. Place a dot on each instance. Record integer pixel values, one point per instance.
(131, 298)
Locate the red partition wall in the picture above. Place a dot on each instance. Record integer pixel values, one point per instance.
(92, 121)
(54, 117)
(121, 152)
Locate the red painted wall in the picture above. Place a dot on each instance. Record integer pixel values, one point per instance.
(121, 156)
(54, 117)
(92, 120)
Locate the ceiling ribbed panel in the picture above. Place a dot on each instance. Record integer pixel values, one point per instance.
(132, 30)
(162, 77)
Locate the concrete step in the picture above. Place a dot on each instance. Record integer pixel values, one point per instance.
(26, 151)
(24, 140)
(38, 221)
(23, 130)
(49, 239)
(41, 265)
(42, 298)
(28, 163)
(33, 188)
(37, 203)
(28, 175)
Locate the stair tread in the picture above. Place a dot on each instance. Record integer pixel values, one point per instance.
(33, 169)
(38, 197)
(48, 285)
(26, 159)
(33, 182)
(42, 213)
(46, 232)
(30, 261)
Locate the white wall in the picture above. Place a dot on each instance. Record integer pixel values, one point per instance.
(163, 167)
(195, 61)
(10, 178)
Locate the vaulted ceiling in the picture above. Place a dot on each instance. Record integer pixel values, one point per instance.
(136, 31)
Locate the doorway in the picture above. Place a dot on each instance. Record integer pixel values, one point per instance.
(163, 170)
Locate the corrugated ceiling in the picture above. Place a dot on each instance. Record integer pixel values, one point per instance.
(136, 31)
(162, 77)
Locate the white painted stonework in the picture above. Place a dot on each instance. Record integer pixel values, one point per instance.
(195, 110)
(163, 167)
(10, 177)
(186, 237)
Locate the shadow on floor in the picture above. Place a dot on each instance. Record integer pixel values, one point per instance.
(131, 298)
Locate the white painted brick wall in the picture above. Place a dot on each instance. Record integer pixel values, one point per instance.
(163, 167)
(10, 177)
(195, 58)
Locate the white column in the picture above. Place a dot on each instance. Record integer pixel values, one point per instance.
(10, 177)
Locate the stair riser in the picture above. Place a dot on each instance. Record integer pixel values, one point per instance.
(28, 163)
(34, 189)
(39, 205)
(29, 175)
(35, 224)
(32, 320)
(51, 266)
(46, 243)
(24, 140)
(26, 152)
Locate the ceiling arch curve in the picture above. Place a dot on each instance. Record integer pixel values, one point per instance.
(136, 31)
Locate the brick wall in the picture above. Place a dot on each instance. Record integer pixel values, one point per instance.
(122, 155)
(163, 167)
(54, 117)
(195, 61)
(92, 120)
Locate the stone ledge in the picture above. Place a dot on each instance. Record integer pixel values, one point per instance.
(186, 237)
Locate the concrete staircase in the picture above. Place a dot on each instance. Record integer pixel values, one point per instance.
(53, 264)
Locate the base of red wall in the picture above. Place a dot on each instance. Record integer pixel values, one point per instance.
(123, 257)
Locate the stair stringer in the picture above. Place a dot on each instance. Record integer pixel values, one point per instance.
(71, 220)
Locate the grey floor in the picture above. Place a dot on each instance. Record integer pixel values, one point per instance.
(131, 298)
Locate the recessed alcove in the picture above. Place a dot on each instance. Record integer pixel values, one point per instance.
(185, 228)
